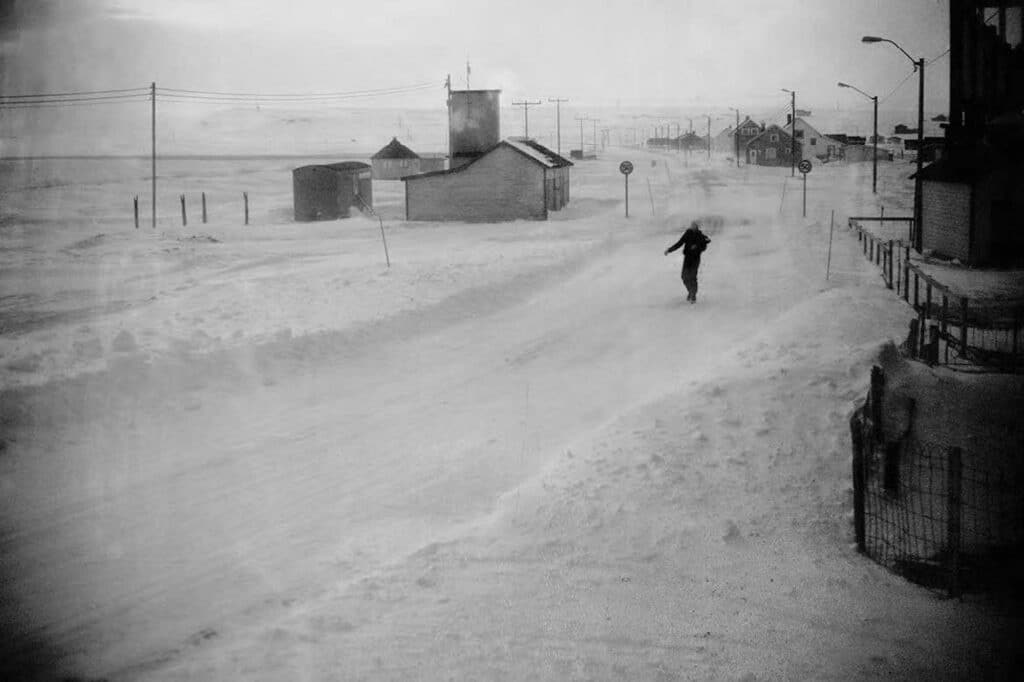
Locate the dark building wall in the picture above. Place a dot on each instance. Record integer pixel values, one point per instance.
(474, 122)
(325, 193)
(319, 194)
(504, 185)
(998, 202)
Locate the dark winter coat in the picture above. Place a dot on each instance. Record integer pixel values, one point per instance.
(693, 243)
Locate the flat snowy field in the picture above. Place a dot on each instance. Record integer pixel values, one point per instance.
(517, 453)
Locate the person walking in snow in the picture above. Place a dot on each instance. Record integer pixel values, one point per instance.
(693, 243)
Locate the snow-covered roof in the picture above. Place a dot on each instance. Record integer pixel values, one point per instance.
(538, 152)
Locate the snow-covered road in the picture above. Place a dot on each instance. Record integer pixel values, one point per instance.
(570, 473)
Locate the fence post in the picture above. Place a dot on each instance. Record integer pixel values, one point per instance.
(944, 326)
(877, 387)
(204, 208)
(857, 436)
(963, 328)
(913, 337)
(928, 298)
(906, 273)
(933, 345)
(917, 288)
(136, 202)
(245, 197)
(954, 477)
(890, 252)
(184, 219)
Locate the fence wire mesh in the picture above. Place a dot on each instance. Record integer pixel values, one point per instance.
(945, 518)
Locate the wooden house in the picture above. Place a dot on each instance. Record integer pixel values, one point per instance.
(773, 147)
(515, 179)
(394, 160)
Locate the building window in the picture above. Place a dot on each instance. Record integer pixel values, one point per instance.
(774, 138)
(799, 134)
(814, 142)
(769, 153)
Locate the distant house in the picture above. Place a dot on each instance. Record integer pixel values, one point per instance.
(690, 141)
(970, 207)
(748, 130)
(773, 147)
(724, 142)
(329, 191)
(856, 153)
(517, 178)
(814, 145)
(394, 160)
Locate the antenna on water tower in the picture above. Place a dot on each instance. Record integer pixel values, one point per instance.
(467, 74)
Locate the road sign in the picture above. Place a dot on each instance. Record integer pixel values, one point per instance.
(804, 166)
(626, 167)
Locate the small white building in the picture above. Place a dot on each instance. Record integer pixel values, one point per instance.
(515, 179)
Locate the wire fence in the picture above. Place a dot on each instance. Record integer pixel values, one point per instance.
(951, 329)
(943, 517)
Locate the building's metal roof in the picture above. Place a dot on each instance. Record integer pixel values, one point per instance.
(532, 150)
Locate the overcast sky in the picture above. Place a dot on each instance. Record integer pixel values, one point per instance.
(636, 52)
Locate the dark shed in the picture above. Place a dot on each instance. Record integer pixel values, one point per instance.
(328, 191)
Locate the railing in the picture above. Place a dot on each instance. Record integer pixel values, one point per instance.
(951, 329)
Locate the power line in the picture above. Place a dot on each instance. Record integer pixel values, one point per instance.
(294, 96)
(75, 94)
(898, 86)
(84, 101)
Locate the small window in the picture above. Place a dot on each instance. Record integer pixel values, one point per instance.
(814, 142)
(799, 134)
(769, 153)
(774, 137)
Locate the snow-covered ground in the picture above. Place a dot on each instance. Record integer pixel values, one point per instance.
(258, 453)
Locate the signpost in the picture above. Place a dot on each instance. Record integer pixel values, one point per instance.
(804, 167)
(626, 167)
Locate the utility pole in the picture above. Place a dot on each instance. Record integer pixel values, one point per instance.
(736, 136)
(709, 136)
(581, 120)
(558, 121)
(152, 95)
(526, 113)
(595, 122)
(467, 74)
(792, 131)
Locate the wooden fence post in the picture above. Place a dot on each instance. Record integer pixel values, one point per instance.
(917, 288)
(933, 345)
(204, 208)
(857, 437)
(184, 219)
(877, 389)
(889, 254)
(136, 202)
(954, 478)
(245, 197)
(906, 273)
(963, 328)
(912, 338)
(944, 326)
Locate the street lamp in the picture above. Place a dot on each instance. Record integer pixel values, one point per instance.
(792, 131)
(874, 159)
(919, 65)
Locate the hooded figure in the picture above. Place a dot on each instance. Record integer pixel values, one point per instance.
(693, 243)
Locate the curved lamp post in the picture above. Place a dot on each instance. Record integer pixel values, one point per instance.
(919, 65)
(874, 158)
